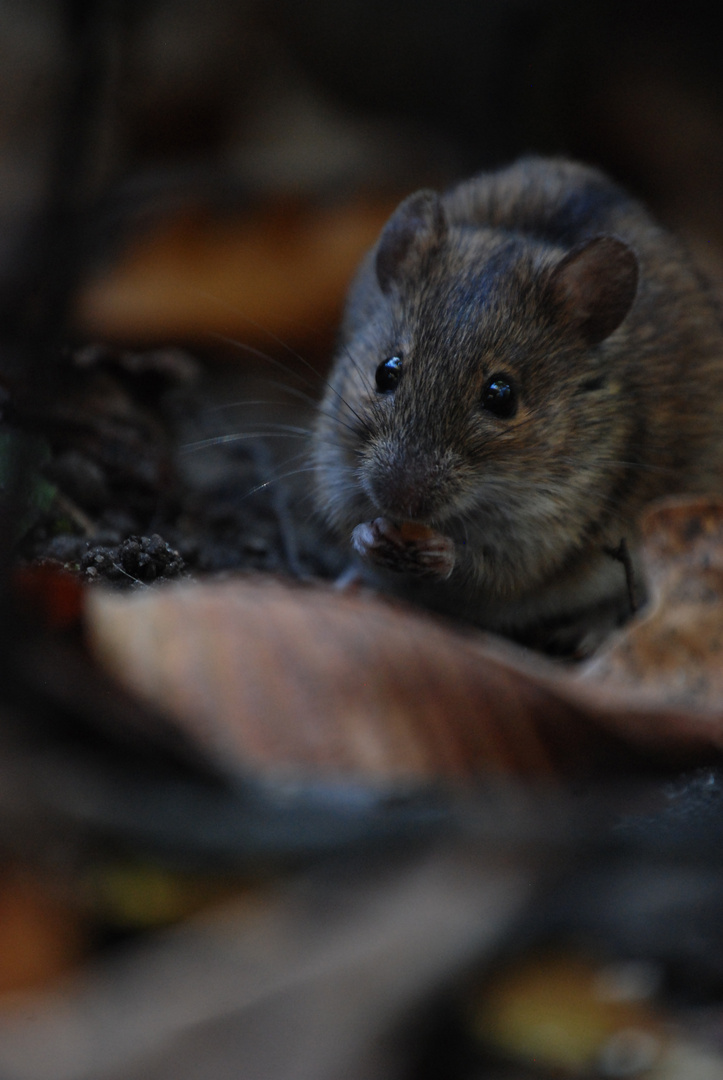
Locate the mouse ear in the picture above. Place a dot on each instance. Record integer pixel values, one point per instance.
(416, 228)
(594, 286)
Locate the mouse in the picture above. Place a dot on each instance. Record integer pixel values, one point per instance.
(524, 363)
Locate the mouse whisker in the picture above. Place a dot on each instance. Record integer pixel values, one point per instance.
(275, 362)
(265, 484)
(244, 346)
(287, 432)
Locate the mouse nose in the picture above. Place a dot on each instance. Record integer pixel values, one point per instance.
(410, 487)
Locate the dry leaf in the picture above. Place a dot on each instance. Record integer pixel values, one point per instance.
(282, 677)
(41, 936)
(252, 276)
(565, 1012)
(570, 1016)
(278, 678)
(673, 653)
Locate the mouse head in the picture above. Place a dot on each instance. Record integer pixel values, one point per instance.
(592, 286)
(480, 378)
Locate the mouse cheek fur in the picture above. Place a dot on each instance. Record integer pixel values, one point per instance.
(341, 494)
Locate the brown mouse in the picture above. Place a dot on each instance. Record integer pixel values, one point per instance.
(524, 363)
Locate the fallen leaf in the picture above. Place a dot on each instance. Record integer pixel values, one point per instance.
(672, 654)
(41, 936)
(305, 680)
(282, 677)
(556, 1010)
(199, 274)
(54, 596)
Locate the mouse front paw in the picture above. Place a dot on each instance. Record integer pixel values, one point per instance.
(408, 548)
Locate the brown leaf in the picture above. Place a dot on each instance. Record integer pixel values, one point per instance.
(672, 655)
(277, 267)
(41, 936)
(279, 678)
(566, 1012)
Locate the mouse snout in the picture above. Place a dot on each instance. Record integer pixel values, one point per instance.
(409, 486)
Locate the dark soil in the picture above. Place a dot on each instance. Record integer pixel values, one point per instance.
(164, 467)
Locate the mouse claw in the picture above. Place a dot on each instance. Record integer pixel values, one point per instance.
(406, 549)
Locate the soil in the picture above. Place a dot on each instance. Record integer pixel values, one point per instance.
(165, 465)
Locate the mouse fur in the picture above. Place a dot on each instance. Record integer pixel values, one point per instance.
(550, 275)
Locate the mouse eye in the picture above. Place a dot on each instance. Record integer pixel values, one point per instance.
(499, 397)
(388, 374)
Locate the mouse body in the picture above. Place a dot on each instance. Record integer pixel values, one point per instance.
(524, 363)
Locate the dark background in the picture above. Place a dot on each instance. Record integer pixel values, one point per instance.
(171, 171)
(136, 111)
